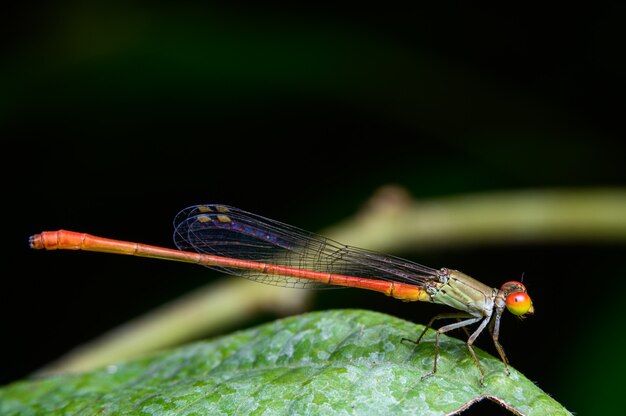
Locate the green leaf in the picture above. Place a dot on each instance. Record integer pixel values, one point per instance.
(334, 362)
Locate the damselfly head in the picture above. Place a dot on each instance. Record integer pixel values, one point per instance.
(517, 300)
(513, 286)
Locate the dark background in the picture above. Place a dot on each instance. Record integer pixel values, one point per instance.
(115, 116)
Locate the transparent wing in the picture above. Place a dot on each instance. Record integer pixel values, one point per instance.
(230, 232)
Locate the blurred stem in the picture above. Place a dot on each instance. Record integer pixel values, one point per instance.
(395, 223)
(206, 310)
(390, 222)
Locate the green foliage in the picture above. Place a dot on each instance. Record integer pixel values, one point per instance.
(334, 362)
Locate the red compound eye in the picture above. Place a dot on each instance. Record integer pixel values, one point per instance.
(518, 303)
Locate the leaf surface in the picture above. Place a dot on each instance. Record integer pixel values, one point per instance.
(333, 362)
